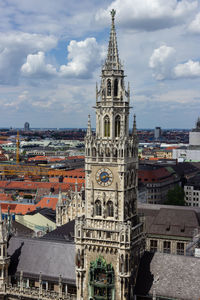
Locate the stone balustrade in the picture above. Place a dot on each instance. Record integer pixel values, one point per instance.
(35, 293)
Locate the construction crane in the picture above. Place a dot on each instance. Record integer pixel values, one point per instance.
(17, 148)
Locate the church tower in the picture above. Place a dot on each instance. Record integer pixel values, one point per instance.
(109, 238)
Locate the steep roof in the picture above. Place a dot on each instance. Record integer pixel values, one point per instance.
(21, 230)
(51, 258)
(46, 212)
(170, 220)
(49, 202)
(62, 233)
(170, 276)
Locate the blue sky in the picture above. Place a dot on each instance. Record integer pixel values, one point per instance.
(51, 54)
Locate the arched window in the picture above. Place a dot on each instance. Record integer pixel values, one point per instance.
(94, 152)
(108, 87)
(107, 152)
(110, 209)
(125, 124)
(107, 126)
(117, 126)
(98, 208)
(126, 263)
(115, 87)
(115, 152)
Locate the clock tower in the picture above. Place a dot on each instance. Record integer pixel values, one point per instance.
(109, 238)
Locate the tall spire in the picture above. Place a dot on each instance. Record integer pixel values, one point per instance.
(112, 60)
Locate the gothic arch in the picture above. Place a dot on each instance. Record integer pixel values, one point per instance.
(115, 152)
(107, 152)
(106, 126)
(116, 87)
(110, 209)
(94, 152)
(117, 126)
(126, 264)
(98, 208)
(108, 87)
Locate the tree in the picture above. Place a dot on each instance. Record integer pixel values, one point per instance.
(175, 196)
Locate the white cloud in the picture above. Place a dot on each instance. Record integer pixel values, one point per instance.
(84, 57)
(35, 65)
(161, 62)
(190, 69)
(14, 48)
(149, 15)
(194, 26)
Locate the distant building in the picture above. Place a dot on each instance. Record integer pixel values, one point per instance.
(192, 151)
(157, 133)
(158, 181)
(26, 126)
(192, 191)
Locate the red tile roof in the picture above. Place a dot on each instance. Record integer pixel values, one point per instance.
(17, 208)
(5, 197)
(156, 175)
(49, 202)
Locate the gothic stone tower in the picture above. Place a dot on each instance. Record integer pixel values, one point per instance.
(109, 239)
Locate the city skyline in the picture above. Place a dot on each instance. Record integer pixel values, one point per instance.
(51, 54)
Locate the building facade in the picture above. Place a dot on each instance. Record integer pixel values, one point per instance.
(158, 181)
(109, 238)
(192, 191)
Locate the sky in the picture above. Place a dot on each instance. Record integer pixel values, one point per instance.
(52, 51)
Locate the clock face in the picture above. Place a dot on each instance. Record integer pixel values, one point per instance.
(104, 177)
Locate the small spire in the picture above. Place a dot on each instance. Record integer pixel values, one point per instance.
(60, 197)
(134, 125)
(112, 60)
(128, 92)
(122, 128)
(76, 185)
(96, 91)
(89, 130)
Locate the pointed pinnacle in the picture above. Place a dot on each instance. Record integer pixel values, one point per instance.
(134, 125)
(112, 60)
(60, 197)
(89, 130)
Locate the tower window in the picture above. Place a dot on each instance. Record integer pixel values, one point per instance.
(94, 152)
(98, 208)
(117, 126)
(115, 87)
(106, 126)
(108, 87)
(110, 209)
